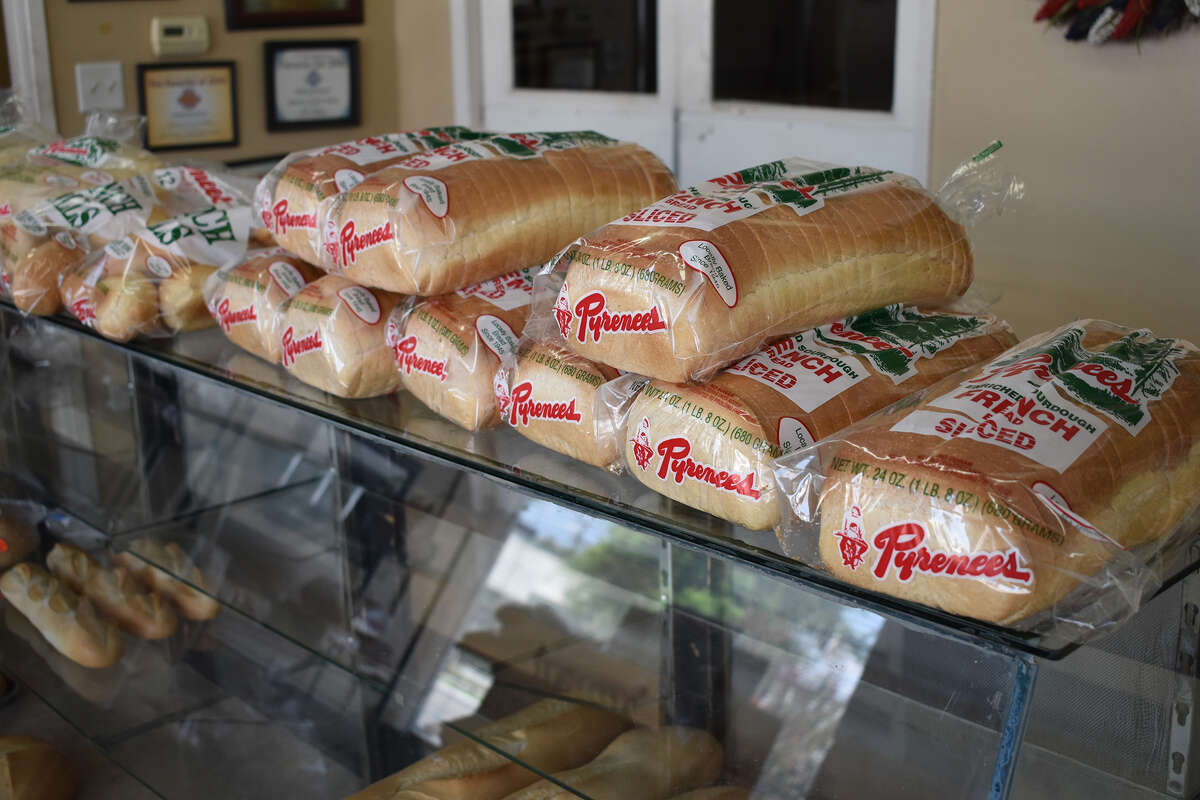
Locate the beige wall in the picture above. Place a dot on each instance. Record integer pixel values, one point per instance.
(1106, 139)
(423, 83)
(121, 31)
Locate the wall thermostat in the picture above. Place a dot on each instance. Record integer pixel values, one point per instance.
(179, 36)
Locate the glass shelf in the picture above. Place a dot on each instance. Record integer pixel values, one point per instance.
(404, 423)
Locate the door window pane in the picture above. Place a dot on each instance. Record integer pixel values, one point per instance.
(606, 45)
(836, 53)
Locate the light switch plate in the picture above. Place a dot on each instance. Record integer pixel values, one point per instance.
(100, 86)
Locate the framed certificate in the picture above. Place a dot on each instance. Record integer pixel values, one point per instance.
(312, 84)
(189, 105)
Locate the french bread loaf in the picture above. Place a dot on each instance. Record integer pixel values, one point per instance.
(31, 769)
(17, 541)
(550, 736)
(114, 592)
(460, 214)
(713, 446)
(167, 570)
(551, 398)
(709, 274)
(247, 298)
(333, 335)
(70, 624)
(642, 764)
(998, 492)
(451, 348)
(290, 194)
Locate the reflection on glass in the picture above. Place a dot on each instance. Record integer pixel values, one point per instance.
(808, 52)
(605, 45)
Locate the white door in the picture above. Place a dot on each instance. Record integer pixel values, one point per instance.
(709, 85)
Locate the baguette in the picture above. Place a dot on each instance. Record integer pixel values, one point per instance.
(290, 194)
(713, 446)
(452, 347)
(114, 592)
(642, 764)
(17, 542)
(163, 569)
(68, 623)
(708, 275)
(464, 213)
(31, 769)
(716, 793)
(334, 336)
(551, 398)
(550, 736)
(1010, 486)
(247, 298)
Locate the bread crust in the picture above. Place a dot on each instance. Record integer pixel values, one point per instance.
(327, 344)
(163, 569)
(69, 623)
(552, 400)
(885, 244)
(497, 214)
(31, 769)
(114, 592)
(739, 424)
(968, 495)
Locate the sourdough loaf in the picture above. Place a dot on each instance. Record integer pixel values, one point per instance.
(707, 275)
(998, 492)
(463, 213)
(31, 769)
(114, 592)
(713, 446)
(70, 624)
(450, 348)
(167, 570)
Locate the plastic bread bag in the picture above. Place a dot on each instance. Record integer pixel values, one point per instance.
(707, 275)
(552, 396)
(713, 446)
(288, 195)
(17, 133)
(1049, 490)
(440, 221)
(449, 349)
(246, 298)
(151, 283)
(335, 336)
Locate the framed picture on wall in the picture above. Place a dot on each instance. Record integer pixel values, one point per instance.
(188, 104)
(312, 84)
(244, 14)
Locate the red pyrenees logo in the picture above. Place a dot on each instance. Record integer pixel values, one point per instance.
(852, 545)
(562, 312)
(642, 451)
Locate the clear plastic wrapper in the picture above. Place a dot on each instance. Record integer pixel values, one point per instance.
(553, 397)
(151, 283)
(335, 336)
(17, 133)
(448, 349)
(710, 273)
(467, 212)
(713, 446)
(287, 197)
(246, 298)
(1050, 490)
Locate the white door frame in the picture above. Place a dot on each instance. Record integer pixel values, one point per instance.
(29, 59)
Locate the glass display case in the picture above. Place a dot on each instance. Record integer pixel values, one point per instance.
(390, 584)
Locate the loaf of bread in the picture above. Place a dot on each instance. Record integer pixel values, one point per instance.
(550, 736)
(70, 624)
(708, 275)
(716, 793)
(247, 298)
(31, 769)
(713, 446)
(114, 592)
(333, 336)
(551, 397)
(17, 541)
(642, 764)
(290, 194)
(167, 570)
(460, 214)
(998, 492)
(451, 347)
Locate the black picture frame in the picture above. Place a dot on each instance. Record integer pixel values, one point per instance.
(350, 46)
(144, 69)
(237, 18)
